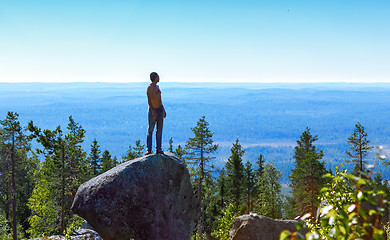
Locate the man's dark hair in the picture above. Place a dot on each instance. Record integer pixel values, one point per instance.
(153, 76)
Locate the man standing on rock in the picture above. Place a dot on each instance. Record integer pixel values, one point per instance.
(156, 114)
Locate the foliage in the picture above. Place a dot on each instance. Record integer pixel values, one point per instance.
(65, 166)
(4, 227)
(50, 189)
(211, 208)
(351, 210)
(45, 211)
(222, 232)
(74, 223)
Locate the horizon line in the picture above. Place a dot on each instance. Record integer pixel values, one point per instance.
(199, 82)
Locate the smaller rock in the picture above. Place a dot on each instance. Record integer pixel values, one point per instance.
(79, 234)
(86, 225)
(257, 227)
(83, 233)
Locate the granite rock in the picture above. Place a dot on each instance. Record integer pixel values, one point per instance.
(147, 198)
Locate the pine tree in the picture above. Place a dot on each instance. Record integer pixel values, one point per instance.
(77, 172)
(94, 158)
(270, 200)
(65, 166)
(5, 178)
(13, 150)
(306, 177)
(197, 150)
(359, 145)
(235, 174)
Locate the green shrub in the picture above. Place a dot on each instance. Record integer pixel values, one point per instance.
(352, 210)
(74, 223)
(5, 231)
(225, 221)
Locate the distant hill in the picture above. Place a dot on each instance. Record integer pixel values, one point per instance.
(267, 118)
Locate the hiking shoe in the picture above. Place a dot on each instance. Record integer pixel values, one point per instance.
(160, 152)
(148, 152)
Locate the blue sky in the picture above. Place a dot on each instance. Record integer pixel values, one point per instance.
(195, 41)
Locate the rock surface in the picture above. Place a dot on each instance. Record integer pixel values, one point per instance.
(148, 198)
(257, 227)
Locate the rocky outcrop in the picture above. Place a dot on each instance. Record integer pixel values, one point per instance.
(257, 227)
(148, 198)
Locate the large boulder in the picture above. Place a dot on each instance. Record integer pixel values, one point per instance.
(257, 227)
(148, 198)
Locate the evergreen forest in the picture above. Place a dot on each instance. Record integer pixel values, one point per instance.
(38, 184)
(316, 153)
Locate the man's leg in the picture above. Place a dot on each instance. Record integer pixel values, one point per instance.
(160, 122)
(151, 123)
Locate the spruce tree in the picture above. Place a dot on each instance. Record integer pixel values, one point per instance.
(210, 205)
(107, 161)
(359, 145)
(221, 186)
(134, 152)
(258, 174)
(250, 185)
(94, 158)
(270, 201)
(306, 176)
(260, 162)
(235, 174)
(198, 150)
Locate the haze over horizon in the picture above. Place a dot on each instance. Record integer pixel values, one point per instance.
(202, 41)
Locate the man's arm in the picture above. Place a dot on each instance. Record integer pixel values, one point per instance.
(165, 114)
